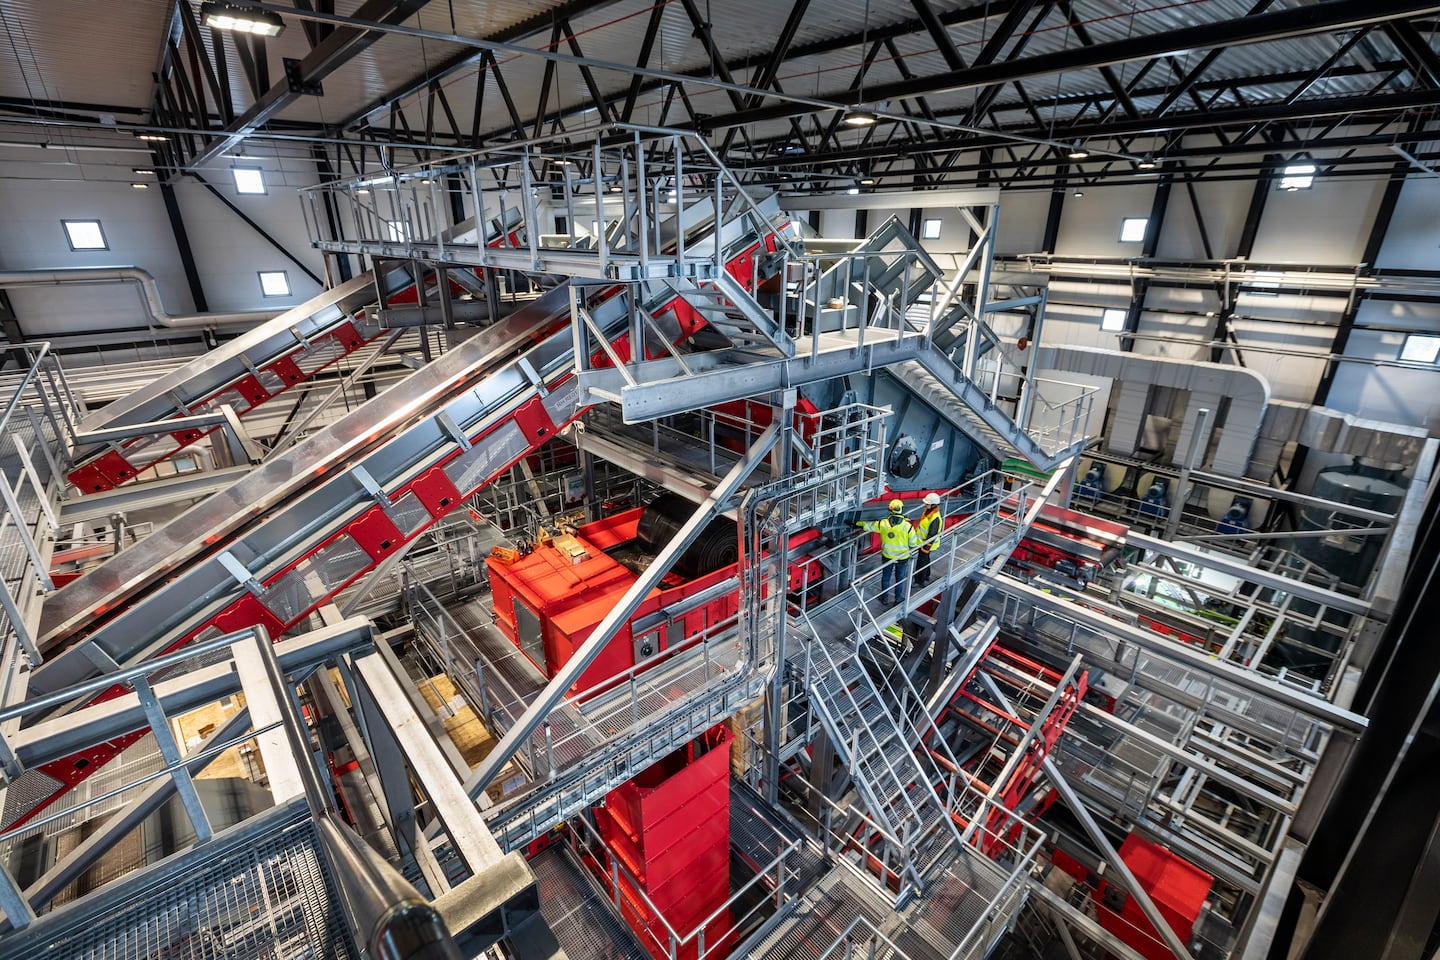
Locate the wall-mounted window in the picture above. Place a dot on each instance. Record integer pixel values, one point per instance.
(1421, 348)
(248, 179)
(85, 235)
(1113, 319)
(397, 230)
(930, 230)
(275, 283)
(1298, 176)
(1132, 229)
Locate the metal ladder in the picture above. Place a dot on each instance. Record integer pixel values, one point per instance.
(728, 307)
(879, 750)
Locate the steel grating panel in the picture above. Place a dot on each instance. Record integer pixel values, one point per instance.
(953, 905)
(582, 921)
(822, 916)
(248, 894)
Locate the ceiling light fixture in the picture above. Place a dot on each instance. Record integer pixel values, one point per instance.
(140, 186)
(1079, 192)
(143, 171)
(853, 190)
(151, 137)
(1077, 152)
(220, 15)
(867, 181)
(1146, 162)
(859, 118)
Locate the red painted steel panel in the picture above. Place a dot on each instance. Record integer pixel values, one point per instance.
(250, 389)
(287, 370)
(434, 491)
(90, 478)
(1177, 887)
(376, 533)
(670, 827)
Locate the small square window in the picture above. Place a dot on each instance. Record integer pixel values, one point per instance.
(397, 230)
(930, 230)
(1421, 348)
(1298, 176)
(1113, 320)
(85, 235)
(1132, 229)
(248, 179)
(274, 283)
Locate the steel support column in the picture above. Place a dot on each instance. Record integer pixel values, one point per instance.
(182, 245)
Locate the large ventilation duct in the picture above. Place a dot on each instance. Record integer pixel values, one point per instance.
(1331, 431)
(150, 294)
(1208, 383)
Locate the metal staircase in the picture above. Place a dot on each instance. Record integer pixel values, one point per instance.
(729, 308)
(936, 378)
(858, 713)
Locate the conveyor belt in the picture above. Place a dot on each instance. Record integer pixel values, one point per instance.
(338, 504)
(244, 373)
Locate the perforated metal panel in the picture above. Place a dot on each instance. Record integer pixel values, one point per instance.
(247, 894)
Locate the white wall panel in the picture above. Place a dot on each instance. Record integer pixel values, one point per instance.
(1326, 224)
(1223, 204)
(1413, 240)
(1022, 221)
(1090, 225)
(229, 254)
(1385, 393)
(31, 238)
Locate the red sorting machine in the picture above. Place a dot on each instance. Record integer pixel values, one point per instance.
(669, 828)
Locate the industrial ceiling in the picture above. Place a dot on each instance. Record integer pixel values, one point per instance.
(964, 92)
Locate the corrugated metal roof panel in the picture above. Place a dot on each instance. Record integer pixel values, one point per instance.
(82, 52)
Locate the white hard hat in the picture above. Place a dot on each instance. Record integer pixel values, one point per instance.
(932, 498)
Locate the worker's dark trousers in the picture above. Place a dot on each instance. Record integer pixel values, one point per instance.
(898, 573)
(922, 568)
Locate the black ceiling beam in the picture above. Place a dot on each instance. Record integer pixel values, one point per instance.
(652, 27)
(1218, 84)
(524, 30)
(938, 32)
(815, 48)
(1111, 80)
(1409, 41)
(987, 97)
(1206, 62)
(1236, 116)
(1212, 171)
(1283, 24)
(1317, 74)
(332, 53)
(771, 71)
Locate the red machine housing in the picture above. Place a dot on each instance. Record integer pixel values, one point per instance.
(547, 603)
(669, 828)
(1178, 888)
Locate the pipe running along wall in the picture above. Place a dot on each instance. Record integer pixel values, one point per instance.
(149, 290)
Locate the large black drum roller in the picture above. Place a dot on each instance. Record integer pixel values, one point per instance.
(717, 546)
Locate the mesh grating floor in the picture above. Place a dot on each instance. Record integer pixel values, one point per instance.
(246, 895)
(822, 916)
(583, 923)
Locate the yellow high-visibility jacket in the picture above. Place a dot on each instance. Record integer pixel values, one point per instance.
(898, 538)
(931, 525)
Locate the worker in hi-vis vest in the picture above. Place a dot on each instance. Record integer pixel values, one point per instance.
(898, 541)
(929, 528)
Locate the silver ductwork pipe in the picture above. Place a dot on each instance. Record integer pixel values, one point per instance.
(149, 295)
(1134, 374)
